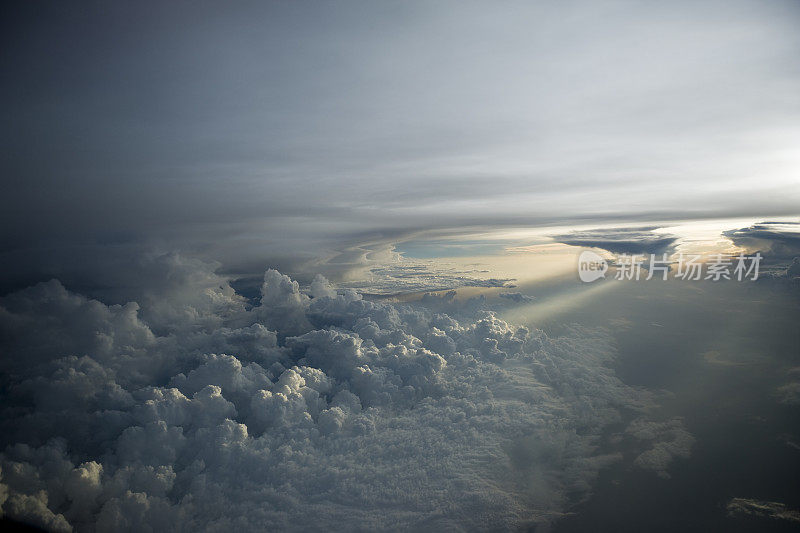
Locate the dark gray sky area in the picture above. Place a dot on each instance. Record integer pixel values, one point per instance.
(275, 132)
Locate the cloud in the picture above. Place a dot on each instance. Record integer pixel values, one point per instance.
(307, 408)
(777, 241)
(622, 240)
(229, 143)
(403, 276)
(789, 393)
(763, 509)
(666, 440)
(516, 297)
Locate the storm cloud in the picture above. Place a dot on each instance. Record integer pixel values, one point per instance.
(198, 411)
(778, 241)
(622, 240)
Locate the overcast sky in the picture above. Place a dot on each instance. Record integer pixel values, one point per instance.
(261, 132)
(149, 388)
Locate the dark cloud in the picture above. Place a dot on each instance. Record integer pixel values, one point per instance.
(516, 297)
(777, 241)
(622, 240)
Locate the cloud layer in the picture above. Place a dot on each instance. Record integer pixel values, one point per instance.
(279, 133)
(196, 411)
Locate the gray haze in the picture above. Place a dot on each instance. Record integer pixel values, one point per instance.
(277, 133)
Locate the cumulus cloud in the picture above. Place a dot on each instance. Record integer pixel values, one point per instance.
(311, 407)
(665, 440)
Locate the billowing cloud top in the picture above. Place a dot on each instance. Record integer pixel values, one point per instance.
(197, 411)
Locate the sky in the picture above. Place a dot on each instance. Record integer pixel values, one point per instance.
(313, 265)
(289, 134)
